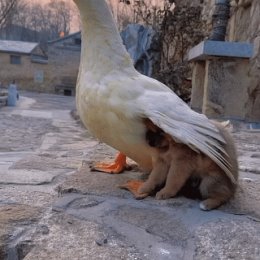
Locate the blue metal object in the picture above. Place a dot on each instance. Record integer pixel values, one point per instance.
(140, 42)
(12, 95)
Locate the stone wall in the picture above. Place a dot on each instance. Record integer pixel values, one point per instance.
(191, 23)
(244, 26)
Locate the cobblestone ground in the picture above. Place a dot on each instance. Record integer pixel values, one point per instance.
(52, 207)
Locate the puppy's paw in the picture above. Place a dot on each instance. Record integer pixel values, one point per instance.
(146, 188)
(204, 206)
(164, 194)
(209, 204)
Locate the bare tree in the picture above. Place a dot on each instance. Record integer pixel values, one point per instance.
(45, 22)
(146, 12)
(20, 14)
(6, 9)
(60, 17)
(76, 21)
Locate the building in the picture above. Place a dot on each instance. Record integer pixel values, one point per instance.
(63, 63)
(32, 69)
(23, 63)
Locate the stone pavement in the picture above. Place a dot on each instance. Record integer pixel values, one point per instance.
(53, 208)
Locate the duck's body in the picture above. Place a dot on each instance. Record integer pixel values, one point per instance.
(113, 99)
(98, 109)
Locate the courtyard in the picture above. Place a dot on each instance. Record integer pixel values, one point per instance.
(53, 207)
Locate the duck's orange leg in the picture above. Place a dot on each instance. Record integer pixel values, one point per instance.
(118, 166)
(133, 187)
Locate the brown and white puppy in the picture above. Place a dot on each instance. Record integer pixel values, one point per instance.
(174, 163)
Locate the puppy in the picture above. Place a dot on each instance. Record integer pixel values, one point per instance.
(175, 163)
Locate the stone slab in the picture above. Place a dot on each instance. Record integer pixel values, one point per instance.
(32, 195)
(32, 113)
(246, 200)
(70, 238)
(207, 49)
(228, 239)
(9, 158)
(168, 230)
(22, 133)
(89, 217)
(250, 163)
(48, 162)
(11, 216)
(27, 177)
(85, 181)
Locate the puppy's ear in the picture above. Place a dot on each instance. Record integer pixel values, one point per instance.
(151, 126)
(168, 138)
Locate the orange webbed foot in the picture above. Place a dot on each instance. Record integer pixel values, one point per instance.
(118, 166)
(133, 186)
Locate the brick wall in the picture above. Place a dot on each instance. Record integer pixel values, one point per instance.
(24, 74)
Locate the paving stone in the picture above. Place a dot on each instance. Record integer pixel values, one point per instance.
(156, 222)
(228, 240)
(32, 113)
(47, 163)
(70, 238)
(12, 216)
(246, 200)
(130, 221)
(159, 231)
(22, 133)
(250, 163)
(32, 195)
(15, 212)
(32, 177)
(84, 181)
(81, 214)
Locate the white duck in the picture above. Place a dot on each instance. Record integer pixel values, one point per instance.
(113, 99)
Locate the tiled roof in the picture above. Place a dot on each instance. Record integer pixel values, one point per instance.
(66, 37)
(17, 46)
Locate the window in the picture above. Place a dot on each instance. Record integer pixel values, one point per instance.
(39, 76)
(77, 41)
(67, 92)
(15, 59)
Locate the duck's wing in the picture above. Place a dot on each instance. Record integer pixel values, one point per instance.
(167, 111)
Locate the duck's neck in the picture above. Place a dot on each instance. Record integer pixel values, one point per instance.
(102, 47)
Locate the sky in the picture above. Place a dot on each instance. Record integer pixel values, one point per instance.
(74, 24)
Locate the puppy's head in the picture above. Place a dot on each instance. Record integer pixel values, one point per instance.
(155, 136)
(157, 139)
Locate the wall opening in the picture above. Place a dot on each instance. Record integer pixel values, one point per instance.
(67, 92)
